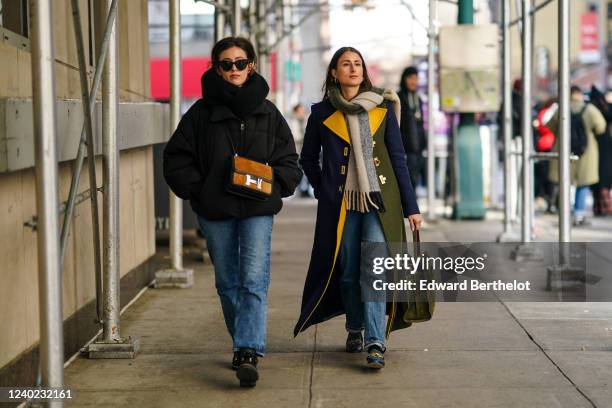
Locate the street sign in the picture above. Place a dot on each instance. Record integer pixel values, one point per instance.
(469, 68)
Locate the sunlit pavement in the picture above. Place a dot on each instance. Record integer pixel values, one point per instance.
(469, 355)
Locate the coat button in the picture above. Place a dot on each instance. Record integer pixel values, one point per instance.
(376, 162)
(345, 151)
(383, 179)
(340, 189)
(342, 169)
(374, 143)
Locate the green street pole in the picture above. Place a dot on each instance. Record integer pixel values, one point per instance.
(466, 12)
(469, 200)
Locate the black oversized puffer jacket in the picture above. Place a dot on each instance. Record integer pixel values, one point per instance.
(196, 159)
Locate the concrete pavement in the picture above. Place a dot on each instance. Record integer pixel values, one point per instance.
(469, 355)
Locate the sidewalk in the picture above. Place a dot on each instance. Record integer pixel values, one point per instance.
(469, 355)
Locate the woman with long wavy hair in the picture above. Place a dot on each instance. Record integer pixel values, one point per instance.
(364, 192)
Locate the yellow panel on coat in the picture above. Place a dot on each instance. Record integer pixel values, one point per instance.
(336, 123)
(376, 115)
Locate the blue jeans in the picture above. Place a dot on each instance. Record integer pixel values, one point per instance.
(240, 252)
(580, 200)
(360, 227)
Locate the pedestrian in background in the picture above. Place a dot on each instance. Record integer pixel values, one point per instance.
(412, 126)
(364, 191)
(234, 118)
(602, 202)
(585, 171)
(545, 190)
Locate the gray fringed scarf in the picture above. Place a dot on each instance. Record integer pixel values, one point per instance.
(362, 190)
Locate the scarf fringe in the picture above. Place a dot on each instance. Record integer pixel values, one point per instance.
(363, 202)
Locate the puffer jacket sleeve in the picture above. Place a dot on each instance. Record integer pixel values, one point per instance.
(311, 152)
(180, 159)
(284, 158)
(397, 155)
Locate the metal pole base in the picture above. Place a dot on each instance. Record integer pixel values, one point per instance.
(560, 277)
(174, 278)
(526, 253)
(125, 348)
(509, 236)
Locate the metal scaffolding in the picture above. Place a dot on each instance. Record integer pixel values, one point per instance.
(525, 26)
(508, 235)
(51, 251)
(236, 18)
(527, 68)
(176, 276)
(47, 197)
(110, 344)
(86, 144)
(564, 124)
(431, 131)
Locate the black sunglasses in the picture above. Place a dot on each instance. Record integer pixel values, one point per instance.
(227, 65)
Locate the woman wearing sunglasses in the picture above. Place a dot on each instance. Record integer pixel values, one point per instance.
(233, 119)
(364, 192)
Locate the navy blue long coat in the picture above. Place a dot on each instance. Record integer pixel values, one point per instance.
(327, 131)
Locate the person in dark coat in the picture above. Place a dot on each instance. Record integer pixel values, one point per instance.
(364, 191)
(234, 111)
(412, 126)
(602, 202)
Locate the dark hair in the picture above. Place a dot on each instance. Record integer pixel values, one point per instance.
(229, 42)
(366, 84)
(575, 89)
(409, 71)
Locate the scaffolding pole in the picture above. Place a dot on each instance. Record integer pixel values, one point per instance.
(558, 276)
(431, 73)
(507, 235)
(280, 55)
(47, 197)
(87, 143)
(526, 251)
(110, 344)
(219, 19)
(564, 123)
(262, 40)
(526, 135)
(176, 276)
(111, 191)
(252, 18)
(236, 18)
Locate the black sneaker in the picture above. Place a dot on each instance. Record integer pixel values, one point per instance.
(247, 367)
(376, 358)
(235, 361)
(354, 343)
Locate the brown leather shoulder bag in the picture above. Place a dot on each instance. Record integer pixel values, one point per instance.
(249, 178)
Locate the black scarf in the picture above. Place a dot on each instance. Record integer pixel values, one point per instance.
(242, 101)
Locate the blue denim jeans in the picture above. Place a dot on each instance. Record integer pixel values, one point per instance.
(360, 227)
(240, 252)
(580, 200)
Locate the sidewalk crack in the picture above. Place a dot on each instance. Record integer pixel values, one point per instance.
(576, 387)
